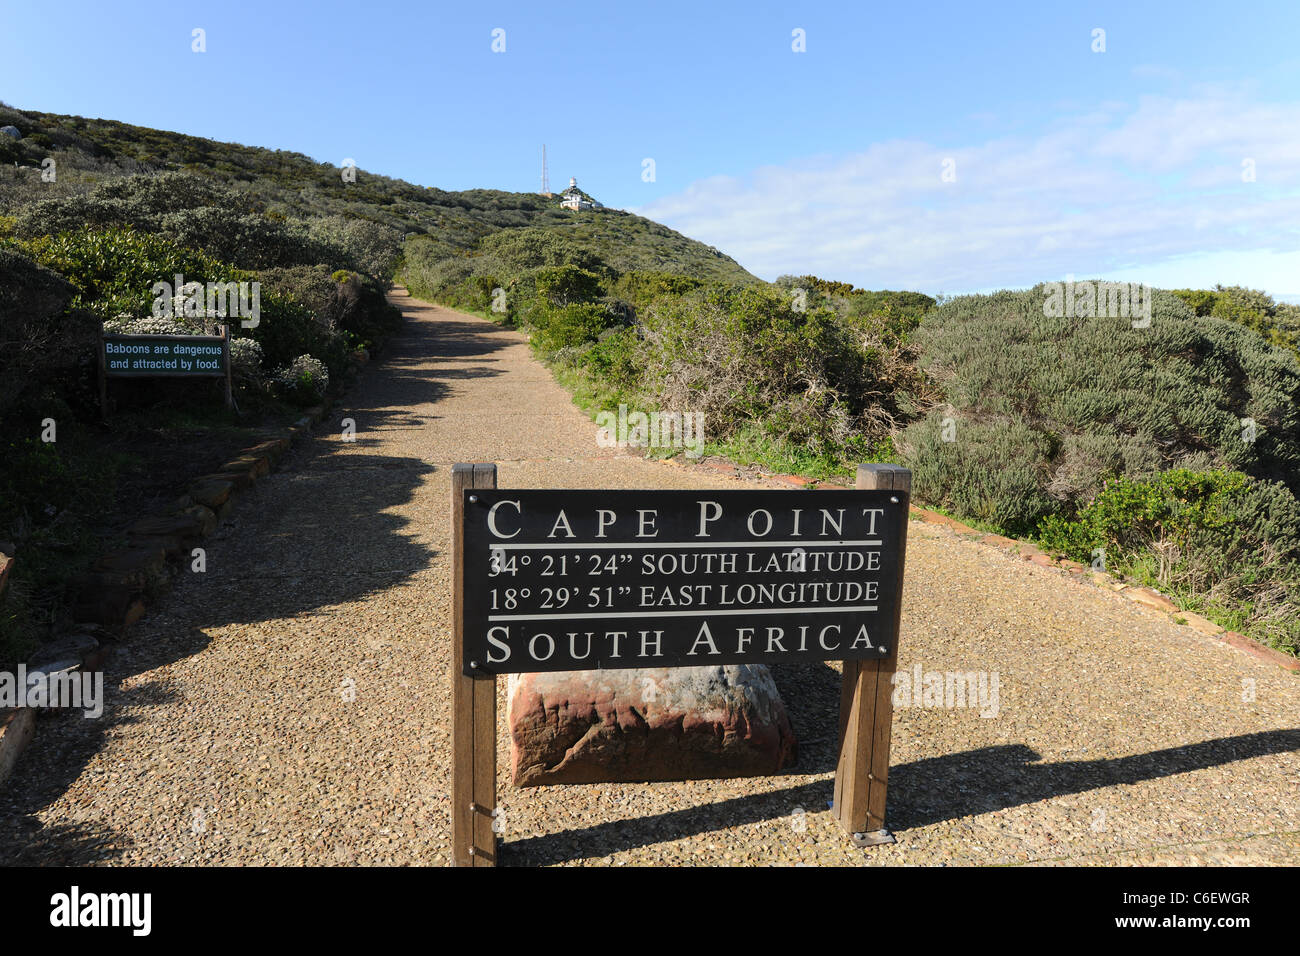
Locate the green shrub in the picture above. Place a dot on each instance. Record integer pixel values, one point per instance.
(43, 342)
(303, 381)
(521, 249)
(565, 285)
(615, 361)
(1221, 541)
(1106, 397)
(744, 356)
(1277, 322)
(344, 301)
(363, 245)
(246, 362)
(991, 470)
(569, 326)
(639, 288)
(35, 485)
(113, 270)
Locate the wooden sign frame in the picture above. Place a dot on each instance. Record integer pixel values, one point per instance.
(865, 721)
(105, 373)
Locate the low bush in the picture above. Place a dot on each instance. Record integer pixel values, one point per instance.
(1104, 397)
(303, 381)
(246, 362)
(566, 285)
(35, 485)
(1277, 322)
(992, 470)
(748, 357)
(569, 326)
(44, 341)
(1220, 541)
(113, 270)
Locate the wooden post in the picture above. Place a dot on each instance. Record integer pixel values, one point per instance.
(474, 706)
(103, 378)
(225, 349)
(866, 703)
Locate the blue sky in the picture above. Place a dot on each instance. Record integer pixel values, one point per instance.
(1128, 163)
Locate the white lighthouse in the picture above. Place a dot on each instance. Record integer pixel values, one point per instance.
(572, 198)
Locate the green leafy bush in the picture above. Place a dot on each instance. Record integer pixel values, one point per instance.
(1277, 322)
(1220, 541)
(565, 285)
(640, 287)
(246, 361)
(747, 357)
(43, 341)
(35, 485)
(366, 246)
(303, 381)
(113, 270)
(343, 301)
(569, 326)
(992, 470)
(1106, 398)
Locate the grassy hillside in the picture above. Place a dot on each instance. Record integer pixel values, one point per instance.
(278, 183)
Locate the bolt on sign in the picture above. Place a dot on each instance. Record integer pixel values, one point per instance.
(574, 580)
(185, 356)
(581, 580)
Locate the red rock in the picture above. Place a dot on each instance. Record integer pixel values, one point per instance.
(255, 466)
(1255, 649)
(686, 723)
(110, 606)
(934, 517)
(240, 479)
(1151, 599)
(211, 493)
(273, 449)
(182, 525)
(1200, 624)
(16, 727)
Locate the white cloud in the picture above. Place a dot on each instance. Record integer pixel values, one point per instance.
(1109, 191)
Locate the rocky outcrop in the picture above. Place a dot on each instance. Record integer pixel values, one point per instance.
(685, 723)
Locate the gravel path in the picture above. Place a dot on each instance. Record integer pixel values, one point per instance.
(229, 738)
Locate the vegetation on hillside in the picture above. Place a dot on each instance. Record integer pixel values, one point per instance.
(1171, 451)
(1036, 426)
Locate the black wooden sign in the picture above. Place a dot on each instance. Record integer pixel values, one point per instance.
(580, 580)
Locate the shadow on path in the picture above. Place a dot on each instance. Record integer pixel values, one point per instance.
(921, 793)
(294, 550)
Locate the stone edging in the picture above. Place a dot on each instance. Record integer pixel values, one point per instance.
(110, 597)
(1145, 596)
